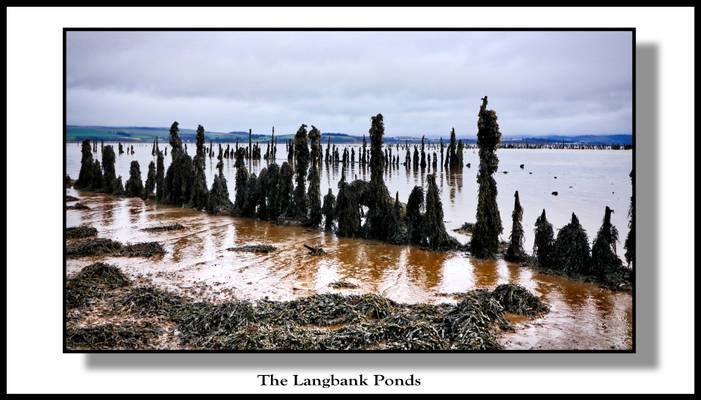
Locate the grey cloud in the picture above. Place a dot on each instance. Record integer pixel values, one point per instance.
(423, 82)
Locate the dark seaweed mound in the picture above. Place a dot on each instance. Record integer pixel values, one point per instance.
(518, 300)
(92, 282)
(108, 247)
(79, 232)
(319, 322)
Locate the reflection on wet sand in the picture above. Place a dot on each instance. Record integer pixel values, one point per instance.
(198, 262)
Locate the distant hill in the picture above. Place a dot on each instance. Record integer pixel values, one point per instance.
(148, 134)
(144, 134)
(584, 139)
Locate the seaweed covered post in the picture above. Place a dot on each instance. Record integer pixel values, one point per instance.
(262, 189)
(438, 238)
(179, 177)
(543, 242)
(285, 189)
(150, 181)
(314, 193)
(571, 252)
(414, 217)
(96, 176)
(160, 175)
(396, 230)
(134, 186)
(347, 210)
(301, 151)
(329, 211)
(630, 239)
(118, 187)
(364, 159)
(515, 251)
(485, 236)
(416, 159)
(218, 197)
(423, 152)
(250, 142)
(241, 179)
(458, 155)
(199, 187)
(290, 151)
(85, 177)
(271, 193)
(451, 160)
(108, 172)
(603, 252)
(252, 193)
(379, 209)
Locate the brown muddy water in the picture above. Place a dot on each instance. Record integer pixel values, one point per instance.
(198, 263)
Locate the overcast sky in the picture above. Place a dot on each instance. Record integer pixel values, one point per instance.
(422, 82)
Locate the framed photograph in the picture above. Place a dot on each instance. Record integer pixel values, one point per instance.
(349, 190)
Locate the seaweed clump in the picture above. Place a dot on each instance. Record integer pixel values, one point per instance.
(148, 301)
(91, 282)
(79, 232)
(111, 336)
(318, 322)
(102, 274)
(343, 284)
(164, 228)
(78, 206)
(254, 248)
(358, 322)
(518, 300)
(109, 247)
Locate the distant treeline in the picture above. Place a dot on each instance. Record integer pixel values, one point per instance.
(149, 134)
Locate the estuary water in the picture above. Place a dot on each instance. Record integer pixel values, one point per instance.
(197, 260)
